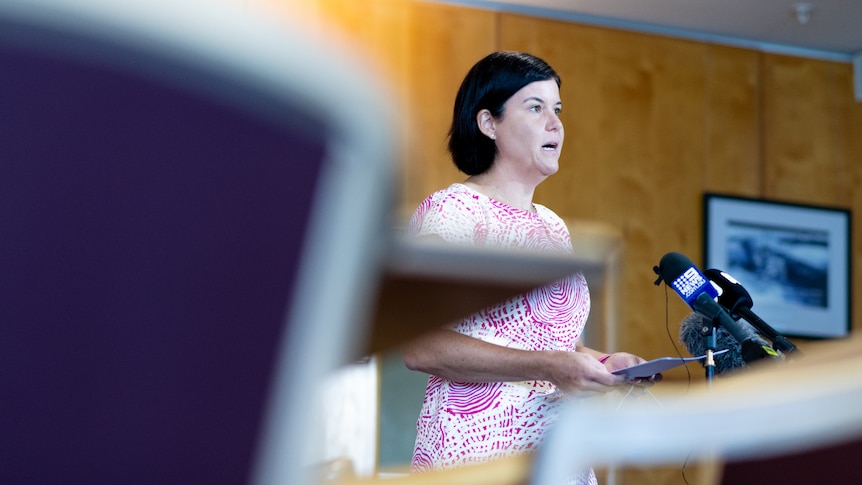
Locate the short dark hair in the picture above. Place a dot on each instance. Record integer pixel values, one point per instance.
(488, 85)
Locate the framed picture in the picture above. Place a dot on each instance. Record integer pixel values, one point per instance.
(793, 259)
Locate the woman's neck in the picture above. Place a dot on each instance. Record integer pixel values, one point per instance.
(512, 193)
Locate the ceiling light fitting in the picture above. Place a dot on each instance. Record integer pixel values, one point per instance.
(803, 12)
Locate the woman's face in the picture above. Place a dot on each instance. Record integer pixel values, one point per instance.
(529, 135)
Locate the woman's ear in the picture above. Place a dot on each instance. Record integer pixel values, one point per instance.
(485, 122)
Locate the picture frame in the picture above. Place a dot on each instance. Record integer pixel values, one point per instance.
(793, 259)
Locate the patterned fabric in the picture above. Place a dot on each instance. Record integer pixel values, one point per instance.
(461, 422)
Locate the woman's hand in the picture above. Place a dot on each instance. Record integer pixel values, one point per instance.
(621, 360)
(580, 374)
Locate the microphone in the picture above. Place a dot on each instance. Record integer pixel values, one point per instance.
(738, 302)
(733, 296)
(691, 335)
(691, 285)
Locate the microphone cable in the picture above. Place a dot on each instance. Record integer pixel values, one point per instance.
(674, 342)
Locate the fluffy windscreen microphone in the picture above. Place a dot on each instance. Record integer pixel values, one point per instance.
(690, 335)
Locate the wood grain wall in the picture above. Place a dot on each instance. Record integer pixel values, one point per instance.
(651, 123)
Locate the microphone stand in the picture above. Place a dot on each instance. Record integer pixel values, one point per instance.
(779, 342)
(709, 340)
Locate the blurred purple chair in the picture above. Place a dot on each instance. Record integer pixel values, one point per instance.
(192, 210)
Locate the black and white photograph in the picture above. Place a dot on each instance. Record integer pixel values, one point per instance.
(792, 259)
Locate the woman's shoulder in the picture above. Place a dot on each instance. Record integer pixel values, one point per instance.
(456, 197)
(446, 209)
(548, 215)
(457, 192)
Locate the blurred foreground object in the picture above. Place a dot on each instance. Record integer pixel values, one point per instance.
(194, 203)
(777, 409)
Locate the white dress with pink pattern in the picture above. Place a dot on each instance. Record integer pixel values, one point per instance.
(463, 422)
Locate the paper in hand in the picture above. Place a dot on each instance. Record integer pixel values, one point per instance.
(659, 365)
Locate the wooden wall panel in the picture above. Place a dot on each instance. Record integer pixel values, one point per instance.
(804, 137)
(811, 137)
(444, 42)
(732, 158)
(853, 136)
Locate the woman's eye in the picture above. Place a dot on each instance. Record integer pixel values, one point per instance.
(536, 108)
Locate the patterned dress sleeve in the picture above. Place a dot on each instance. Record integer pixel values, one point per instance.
(453, 215)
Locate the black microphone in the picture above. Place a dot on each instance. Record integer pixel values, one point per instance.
(738, 302)
(694, 288)
(691, 334)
